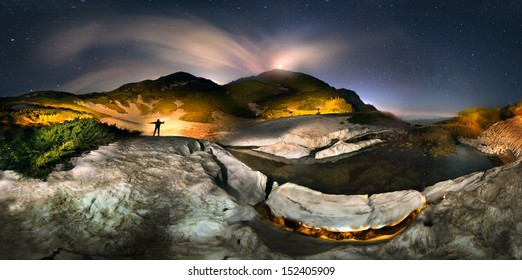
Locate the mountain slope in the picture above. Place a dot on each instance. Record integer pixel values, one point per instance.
(280, 93)
(197, 97)
(197, 107)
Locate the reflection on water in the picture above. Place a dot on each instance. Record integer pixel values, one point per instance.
(382, 169)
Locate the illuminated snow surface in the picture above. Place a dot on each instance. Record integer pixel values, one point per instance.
(295, 137)
(343, 212)
(180, 198)
(286, 150)
(142, 198)
(341, 147)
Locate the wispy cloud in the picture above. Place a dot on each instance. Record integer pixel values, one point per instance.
(137, 48)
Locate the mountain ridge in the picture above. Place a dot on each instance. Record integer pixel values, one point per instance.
(280, 91)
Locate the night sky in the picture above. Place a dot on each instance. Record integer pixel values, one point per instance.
(408, 57)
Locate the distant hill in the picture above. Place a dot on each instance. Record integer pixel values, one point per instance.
(420, 120)
(280, 93)
(192, 102)
(182, 80)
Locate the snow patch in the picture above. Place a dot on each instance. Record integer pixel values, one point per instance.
(295, 137)
(286, 150)
(8, 179)
(307, 131)
(255, 108)
(341, 147)
(437, 192)
(342, 212)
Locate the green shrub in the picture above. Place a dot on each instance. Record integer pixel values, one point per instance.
(34, 151)
(436, 140)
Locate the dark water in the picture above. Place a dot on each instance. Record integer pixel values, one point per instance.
(381, 169)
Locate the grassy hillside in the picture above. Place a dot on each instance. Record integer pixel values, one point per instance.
(378, 118)
(50, 99)
(280, 93)
(274, 83)
(272, 94)
(197, 97)
(473, 121)
(39, 116)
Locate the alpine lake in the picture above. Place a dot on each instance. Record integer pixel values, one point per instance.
(375, 170)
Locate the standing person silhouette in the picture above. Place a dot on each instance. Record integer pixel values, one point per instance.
(158, 123)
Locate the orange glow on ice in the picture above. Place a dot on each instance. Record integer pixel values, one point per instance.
(363, 236)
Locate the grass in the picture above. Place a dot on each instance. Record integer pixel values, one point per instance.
(306, 103)
(198, 105)
(440, 139)
(511, 110)
(245, 91)
(437, 141)
(471, 122)
(285, 94)
(40, 116)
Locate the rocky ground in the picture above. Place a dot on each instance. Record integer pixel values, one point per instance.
(180, 198)
(502, 138)
(480, 219)
(152, 198)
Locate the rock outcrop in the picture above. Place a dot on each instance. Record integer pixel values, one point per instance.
(503, 137)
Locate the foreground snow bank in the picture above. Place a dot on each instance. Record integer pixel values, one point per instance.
(242, 182)
(174, 198)
(160, 198)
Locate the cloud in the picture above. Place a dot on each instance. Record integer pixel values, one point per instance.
(137, 48)
(112, 76)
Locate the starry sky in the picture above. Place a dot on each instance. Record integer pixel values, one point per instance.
(422, 58)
